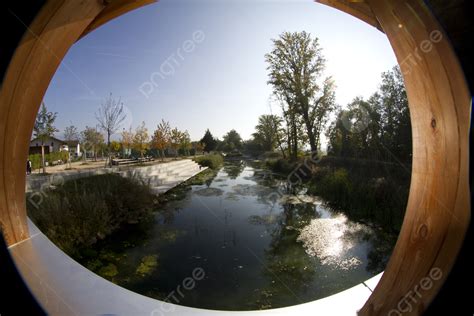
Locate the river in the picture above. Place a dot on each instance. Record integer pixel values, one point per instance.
(255, 245)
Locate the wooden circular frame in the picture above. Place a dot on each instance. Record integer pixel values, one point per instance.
(438, 210)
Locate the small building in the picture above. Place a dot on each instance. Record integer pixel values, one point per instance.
(51, 144)
(74, 148)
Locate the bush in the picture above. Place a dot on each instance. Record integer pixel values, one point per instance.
(78, 213)
(213, 161)
(378, 200)
(282, 166)
(35, 161)
(55, 156)
(50, 158)
(271, 155)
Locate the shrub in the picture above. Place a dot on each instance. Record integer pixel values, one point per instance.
(35, 161)
(282, 166)
(78, 213)
(55, 156)
(271, 155)
(381, 200)
(213, 161)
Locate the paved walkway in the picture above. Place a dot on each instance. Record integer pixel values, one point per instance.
(161, 176)
(91, 164)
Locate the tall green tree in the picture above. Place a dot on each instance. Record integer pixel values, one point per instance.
(185, 143)
(209, 142)
(161, 137)
(268, 132)
(395, 116)
(231, 141)
(377, 128)
(295, 66)
(175, 140)
(141, 139)
(44, 128)
(92, 140)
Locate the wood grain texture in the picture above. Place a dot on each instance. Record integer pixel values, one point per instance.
(438, 210)
(58, 25)
(356, 8)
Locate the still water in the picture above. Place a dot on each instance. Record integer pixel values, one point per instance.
(249, 243)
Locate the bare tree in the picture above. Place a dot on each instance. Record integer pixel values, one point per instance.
(110, 116)
(71, 133)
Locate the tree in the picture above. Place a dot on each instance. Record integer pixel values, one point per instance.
(395, 116)
(115, 146)
(44, 128)
(377, 128)
(141, 139)
(232, 141)
(268, 132)
(209, 142)
(127, 139)
(71, 133)
(91, 140)
(185, 143)
(110, 116)
(295, 65)
(198, 147)
(175, 140)
(161, 137)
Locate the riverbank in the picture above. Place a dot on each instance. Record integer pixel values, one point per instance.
(80, 212)
(242, 228)
(76, 209)
(373, 192)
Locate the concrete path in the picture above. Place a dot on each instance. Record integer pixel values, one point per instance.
(161, 176)
(165, 176)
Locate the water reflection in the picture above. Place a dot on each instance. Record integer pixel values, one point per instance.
(261, 244)
(234, 168)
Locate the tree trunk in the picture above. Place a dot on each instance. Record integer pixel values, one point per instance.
(42, 158)
(312, 141)
(295, 140)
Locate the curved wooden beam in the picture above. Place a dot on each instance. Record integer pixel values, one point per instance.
(356, 8)
(438, 210)
(58, 25)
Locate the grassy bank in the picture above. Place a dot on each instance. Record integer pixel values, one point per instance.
(213, 161)
(83, 211)
(366, 191)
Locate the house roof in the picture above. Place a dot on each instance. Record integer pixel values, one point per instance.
(72, 143)
(50, 137)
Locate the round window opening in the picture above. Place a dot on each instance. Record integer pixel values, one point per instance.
(294, 201)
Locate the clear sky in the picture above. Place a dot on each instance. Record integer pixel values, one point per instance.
(218, 77)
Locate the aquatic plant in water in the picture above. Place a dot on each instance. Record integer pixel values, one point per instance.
(147, 265)
(109, 271)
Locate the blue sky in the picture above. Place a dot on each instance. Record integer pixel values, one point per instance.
(218, 81)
